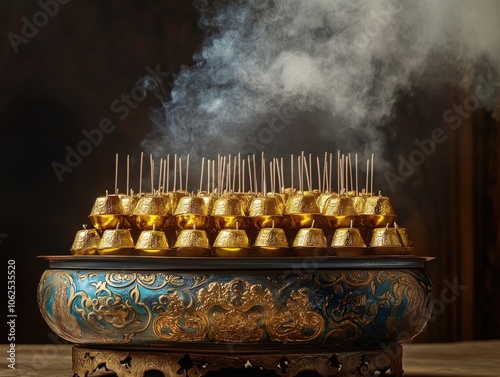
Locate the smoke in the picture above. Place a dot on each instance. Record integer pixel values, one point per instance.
(276, 74)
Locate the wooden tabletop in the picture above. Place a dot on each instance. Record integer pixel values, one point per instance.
(468, 359)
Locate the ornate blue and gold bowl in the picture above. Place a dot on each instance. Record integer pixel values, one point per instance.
(236, 304)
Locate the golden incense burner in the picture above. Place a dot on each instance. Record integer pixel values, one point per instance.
(288, 280)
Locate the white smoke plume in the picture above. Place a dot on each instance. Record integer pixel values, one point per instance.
(317, 72)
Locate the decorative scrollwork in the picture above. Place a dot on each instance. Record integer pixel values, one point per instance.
(325, 308)
(176, 323)
(296, 322)
(86, 361)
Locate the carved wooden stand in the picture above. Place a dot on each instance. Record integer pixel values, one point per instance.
(148, 363)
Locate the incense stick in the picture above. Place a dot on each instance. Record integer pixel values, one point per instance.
(116, 174)
(255, 175)
(242, 177)
(187, 173)
(213, 175)
(164, 174)
(282, 189)
(128, 174)
(208, 176)
(280, 182)
(302, 172)
(264, 180)
(330, 175)
(346, 174)
(319, 173)
(218, 173)
(342, 174)
(140, 174)
(298, 172)
(180, 173)
(234, 173)
(327, 175)
(338, 172)
(271, 175)
(152, 166)
(371, 186)
(249, 173)
(350, 169)
(356, 163)
(159, 177)
(175, 172)
(228, 180)
(309, 174)
(168, 170)
(239, 172)
(201, 176)
(223, 175)
(367, 172)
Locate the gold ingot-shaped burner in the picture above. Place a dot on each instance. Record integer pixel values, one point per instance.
(265, 211)
(151, 212)
(191, 212)
(348, 242)
(109, 204)
(339, 212)
(209, 200)
(301, 210)
(129, 202)
(245, 199)
(227, 212)
(86, 242)
(152, 242)
(386, 241)
(280, 199)
(107, 212)
(271, 242)
(174, 197)
(116, 242)
(323, 198)
(359, 203)
(192, 243)
(378, 211)
(231, 243)
(310, 242)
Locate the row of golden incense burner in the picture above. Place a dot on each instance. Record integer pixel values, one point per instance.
(242, 225)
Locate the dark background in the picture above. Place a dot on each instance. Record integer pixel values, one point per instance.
(65, 79)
